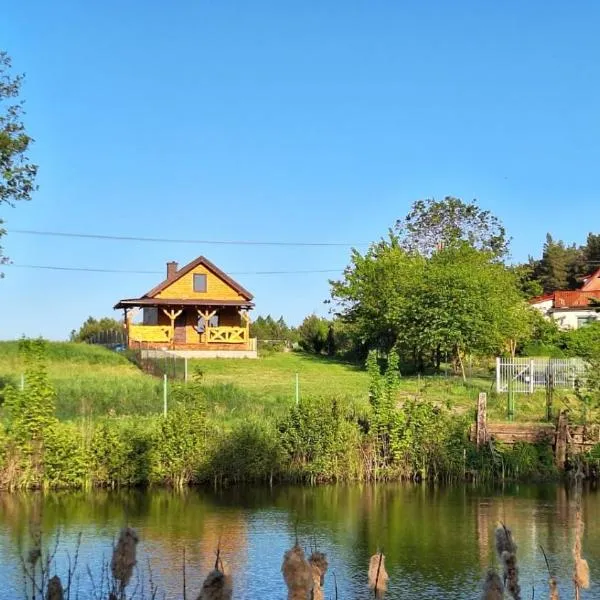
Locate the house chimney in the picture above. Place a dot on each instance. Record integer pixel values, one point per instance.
(171, 269)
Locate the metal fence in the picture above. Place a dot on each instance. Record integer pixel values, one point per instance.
(115, 340)
(159, 362)
(525, 375)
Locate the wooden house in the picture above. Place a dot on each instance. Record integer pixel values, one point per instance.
(197, 309)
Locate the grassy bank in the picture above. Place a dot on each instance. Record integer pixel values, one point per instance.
(91, 381)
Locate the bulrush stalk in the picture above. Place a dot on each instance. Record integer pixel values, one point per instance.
(507, 551)
(55, 589)
(492, 587)
(123, 558)
(581, 574)
(378, 576)
(218, 584)
(318, 564)
(297, 574)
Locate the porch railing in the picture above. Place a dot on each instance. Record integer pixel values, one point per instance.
(149, 333)
(227, 335)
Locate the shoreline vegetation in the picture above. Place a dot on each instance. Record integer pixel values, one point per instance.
(319, 439)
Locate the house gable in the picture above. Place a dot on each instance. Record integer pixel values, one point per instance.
(219, 286)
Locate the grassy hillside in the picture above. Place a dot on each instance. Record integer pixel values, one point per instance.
(89, 380)
(92, 381)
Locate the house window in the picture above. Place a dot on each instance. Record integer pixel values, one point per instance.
(150, 316)
(583, 321)
(199, 282)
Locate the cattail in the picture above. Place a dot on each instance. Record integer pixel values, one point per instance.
(553, 589)
(492, 588)
(297, 574)
(216, 586)
(123, 558)
(318, 561)
(55, 589)
(378, 576)
(581, 575)
(507, 551)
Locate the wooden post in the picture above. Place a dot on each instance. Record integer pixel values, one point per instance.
(172, 314)
(562, 432)
(497, 374)
(481, 425)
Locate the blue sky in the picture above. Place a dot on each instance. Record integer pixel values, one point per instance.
(291, 121)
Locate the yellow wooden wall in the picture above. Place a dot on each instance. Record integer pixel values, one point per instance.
(216, 288)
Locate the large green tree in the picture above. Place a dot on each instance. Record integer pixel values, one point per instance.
(17, 173)
(458, 301)
(432, 224)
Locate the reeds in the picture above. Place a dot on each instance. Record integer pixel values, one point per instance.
(492, 587)
(581, 571)
(218, 584)
(297, 574)
(507, 552)
(55, 589)
(378, 577)
(318, 565)
(124, 560)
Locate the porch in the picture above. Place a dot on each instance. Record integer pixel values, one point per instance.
(223, 330)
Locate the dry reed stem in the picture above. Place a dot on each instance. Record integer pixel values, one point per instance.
(216, 586)
(507, 551)
(55, 589)
(492, 588)
(318, 560)
(378, 577)
(553, 589)
(297, 574)
(123, 558)
(581, 574)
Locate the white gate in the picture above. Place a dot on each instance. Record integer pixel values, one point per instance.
(525, 375)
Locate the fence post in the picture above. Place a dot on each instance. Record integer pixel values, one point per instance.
(497, 373)
(531, 371)
(481, 433)
(165, 395)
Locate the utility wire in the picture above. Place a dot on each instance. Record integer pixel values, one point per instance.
(131, 238)
(134, 272)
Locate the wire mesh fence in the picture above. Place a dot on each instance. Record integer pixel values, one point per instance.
(526, 375)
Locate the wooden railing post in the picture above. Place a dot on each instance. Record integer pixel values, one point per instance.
(481, 425)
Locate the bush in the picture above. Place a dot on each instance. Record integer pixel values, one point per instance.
(250, 452)
(322, 440)
(313, 334)
(65, 463)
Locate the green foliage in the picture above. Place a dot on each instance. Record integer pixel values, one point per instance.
(65, 456)
(313, 334)
(17, 173)
(252, 451)
(584, 342)
(434, 224)
(93, 329)
(458, 301)
(272, 332)
(31, 410)
(322, 441)
(179, 444)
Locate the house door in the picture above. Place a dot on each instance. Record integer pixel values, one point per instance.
(179, 333)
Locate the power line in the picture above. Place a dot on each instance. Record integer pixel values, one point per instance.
(130, 238)
(140, 272)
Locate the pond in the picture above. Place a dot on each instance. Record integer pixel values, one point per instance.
(438, 541)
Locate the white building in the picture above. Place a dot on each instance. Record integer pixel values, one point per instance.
(572, 308)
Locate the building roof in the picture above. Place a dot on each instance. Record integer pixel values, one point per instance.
(568, 298)
(591, 283)
(149, 298)
(131, 302)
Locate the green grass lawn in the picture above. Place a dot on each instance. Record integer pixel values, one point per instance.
(92, 381)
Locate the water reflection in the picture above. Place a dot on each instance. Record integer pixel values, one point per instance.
(438, 540)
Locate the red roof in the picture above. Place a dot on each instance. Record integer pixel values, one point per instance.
(591, 283)
(568, 299)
